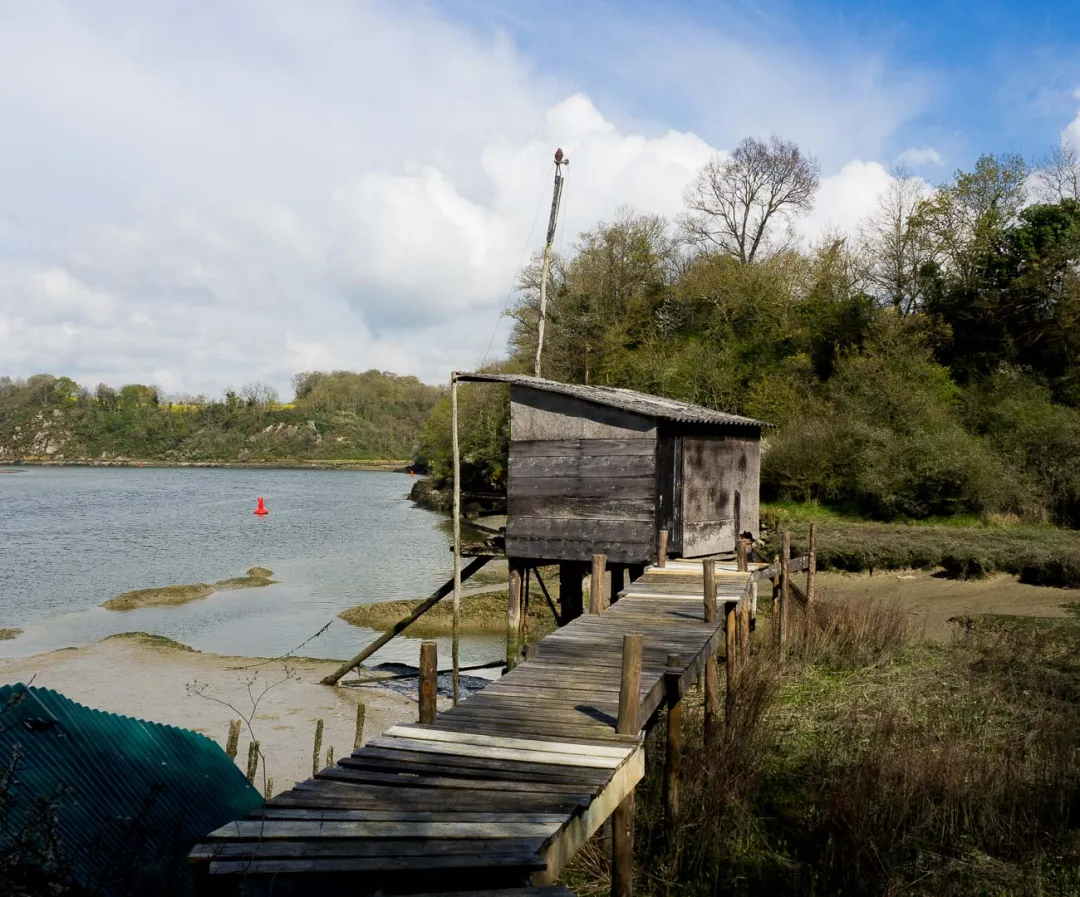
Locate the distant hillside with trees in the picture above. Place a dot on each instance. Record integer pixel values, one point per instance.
(929, 366)
(338, 415)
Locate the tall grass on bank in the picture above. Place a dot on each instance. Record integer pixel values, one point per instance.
(865, 764)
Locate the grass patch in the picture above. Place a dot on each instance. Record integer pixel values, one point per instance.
(479, 613)
(869, 764)
(157, 641)
(7, 634)
(180, 594)
(1038, 555)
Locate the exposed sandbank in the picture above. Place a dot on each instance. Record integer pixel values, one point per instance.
(180, 594)
(7, 634)
(154, 678)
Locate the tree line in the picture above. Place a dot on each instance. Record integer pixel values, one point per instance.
(926, 365)
(336, 415)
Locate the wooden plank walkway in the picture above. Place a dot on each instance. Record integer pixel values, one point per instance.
(502, 790)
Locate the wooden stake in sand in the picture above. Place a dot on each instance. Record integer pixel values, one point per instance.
(316, 754)
(234, 739)
(361, 712)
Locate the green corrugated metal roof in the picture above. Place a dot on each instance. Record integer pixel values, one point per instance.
(136, 797)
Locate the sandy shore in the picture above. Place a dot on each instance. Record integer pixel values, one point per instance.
(932, 601)
(167, 683)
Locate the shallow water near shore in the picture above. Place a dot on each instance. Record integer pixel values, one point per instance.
(72, 538)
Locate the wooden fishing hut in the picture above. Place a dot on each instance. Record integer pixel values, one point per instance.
(595, 470)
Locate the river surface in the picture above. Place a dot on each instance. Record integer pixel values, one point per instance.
(72, 538)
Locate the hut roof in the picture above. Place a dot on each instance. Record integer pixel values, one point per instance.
(625, 399)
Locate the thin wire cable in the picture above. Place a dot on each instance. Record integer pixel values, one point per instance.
(523, 256)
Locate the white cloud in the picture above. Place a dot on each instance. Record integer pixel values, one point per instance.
(918, 157)
(846, 198)
(1071, 134)
(208, 199)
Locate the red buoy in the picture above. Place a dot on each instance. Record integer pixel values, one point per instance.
(261, 509)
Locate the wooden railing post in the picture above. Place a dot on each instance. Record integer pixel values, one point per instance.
(712, 673)
(596, 584)
(622, 820)
(785, 586)
(731, 662)
(744, 627)
(811, 565)
(513, 615)
(741, 554)
(661, 549)
(673, 756)
(429, 680)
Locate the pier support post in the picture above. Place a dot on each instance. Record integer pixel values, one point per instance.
(597, 604)
(513, 614)
(785, 587)
(731, 662)
(629, 723)
(429, 681)
(618, 582)
(712, 673)
(673, 755)
(571, 574)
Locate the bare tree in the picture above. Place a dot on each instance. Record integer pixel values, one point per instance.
(893, 249)
(259, 395)
(736, 201)
(1057, 176)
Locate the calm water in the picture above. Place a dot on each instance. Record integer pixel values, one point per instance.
(71, 538)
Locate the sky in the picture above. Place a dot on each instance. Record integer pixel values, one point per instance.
(202, 195)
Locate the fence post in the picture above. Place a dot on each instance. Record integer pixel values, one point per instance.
(785, 586)
(622, 820)
(596, 584)
(811, 565)
(429, 680)
(741, 554)
(673, 756)
(712, 673)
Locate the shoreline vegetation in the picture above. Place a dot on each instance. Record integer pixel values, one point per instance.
(390, 466)
(256, 577)
(8, 634)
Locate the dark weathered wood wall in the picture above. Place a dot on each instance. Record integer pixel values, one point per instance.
(569, 499)
(715, 468)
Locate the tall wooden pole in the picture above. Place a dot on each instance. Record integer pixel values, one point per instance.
(546, 267)
(455, 647)
(629, 723)
(673, 756)
(712, 673)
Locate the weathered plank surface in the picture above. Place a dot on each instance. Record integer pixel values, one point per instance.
(498, 793)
